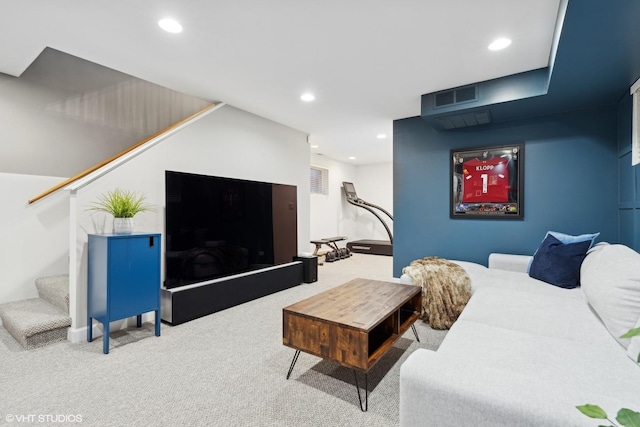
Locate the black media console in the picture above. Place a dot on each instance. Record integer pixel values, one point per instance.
(189, 302)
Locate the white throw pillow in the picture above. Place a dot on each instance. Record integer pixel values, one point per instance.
(610, 278)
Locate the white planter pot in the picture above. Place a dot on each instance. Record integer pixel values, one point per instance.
(122, 225)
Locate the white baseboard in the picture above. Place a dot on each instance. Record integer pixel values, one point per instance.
(77, 335)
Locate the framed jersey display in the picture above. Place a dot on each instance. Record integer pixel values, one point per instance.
(487, 182)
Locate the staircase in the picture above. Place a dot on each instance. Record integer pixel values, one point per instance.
(37, 322)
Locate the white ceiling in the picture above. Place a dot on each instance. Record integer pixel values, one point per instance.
(367, 61)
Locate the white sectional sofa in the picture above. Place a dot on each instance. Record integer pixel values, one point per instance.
(526, 353)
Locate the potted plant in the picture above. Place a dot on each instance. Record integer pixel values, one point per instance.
(123, 205)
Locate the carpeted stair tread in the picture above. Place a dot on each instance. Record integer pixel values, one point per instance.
(34, 322)
(55, 289)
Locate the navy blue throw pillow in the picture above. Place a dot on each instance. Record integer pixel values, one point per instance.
(559, 264)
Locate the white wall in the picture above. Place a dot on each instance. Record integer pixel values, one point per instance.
(228, 142)
(66, 107)
(331, 215)
(374, 184)
(34, 237)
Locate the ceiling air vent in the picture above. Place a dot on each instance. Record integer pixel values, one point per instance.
(456, 96)
(464, 120)
(445, 98)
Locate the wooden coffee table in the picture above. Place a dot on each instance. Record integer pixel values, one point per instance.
(353, 324)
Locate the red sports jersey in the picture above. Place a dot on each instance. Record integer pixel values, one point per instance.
(485, 181)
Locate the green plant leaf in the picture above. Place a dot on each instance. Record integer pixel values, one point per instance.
(593, 411)
(121, 204)
(628, 418)
(632, 333)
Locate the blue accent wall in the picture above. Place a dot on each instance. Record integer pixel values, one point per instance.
(570, 185)
(629, 179)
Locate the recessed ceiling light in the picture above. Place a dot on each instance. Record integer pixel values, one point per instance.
(381, 136)
(352, 158)
(170, 25)
(499, 44)
(307, 97)
(314, 146)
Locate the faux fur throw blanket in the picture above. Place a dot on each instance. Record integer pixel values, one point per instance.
(446, 289)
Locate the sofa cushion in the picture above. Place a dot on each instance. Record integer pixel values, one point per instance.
(579, 372)
(473, 270)
(511, 262)
(610, 277)
(567, 238)
(557, 263)
(458, 390)
(515, 350)
(505, 279)
(563, 314)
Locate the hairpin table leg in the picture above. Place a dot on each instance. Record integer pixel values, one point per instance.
(366, 391)
(413, 327)
(293, 363)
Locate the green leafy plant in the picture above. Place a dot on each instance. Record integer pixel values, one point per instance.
(626, 417)
(632, 333)
(121, 204)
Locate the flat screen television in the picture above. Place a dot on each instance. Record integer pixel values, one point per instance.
(217, 227)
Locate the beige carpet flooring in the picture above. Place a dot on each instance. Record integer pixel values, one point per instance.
(225, 369)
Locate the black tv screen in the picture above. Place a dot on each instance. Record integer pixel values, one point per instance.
(217, 227)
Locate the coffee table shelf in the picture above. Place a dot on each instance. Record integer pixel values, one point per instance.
(385, 334)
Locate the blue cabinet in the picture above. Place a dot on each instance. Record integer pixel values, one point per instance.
(123, 279)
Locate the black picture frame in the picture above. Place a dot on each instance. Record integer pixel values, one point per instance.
(487, 182)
